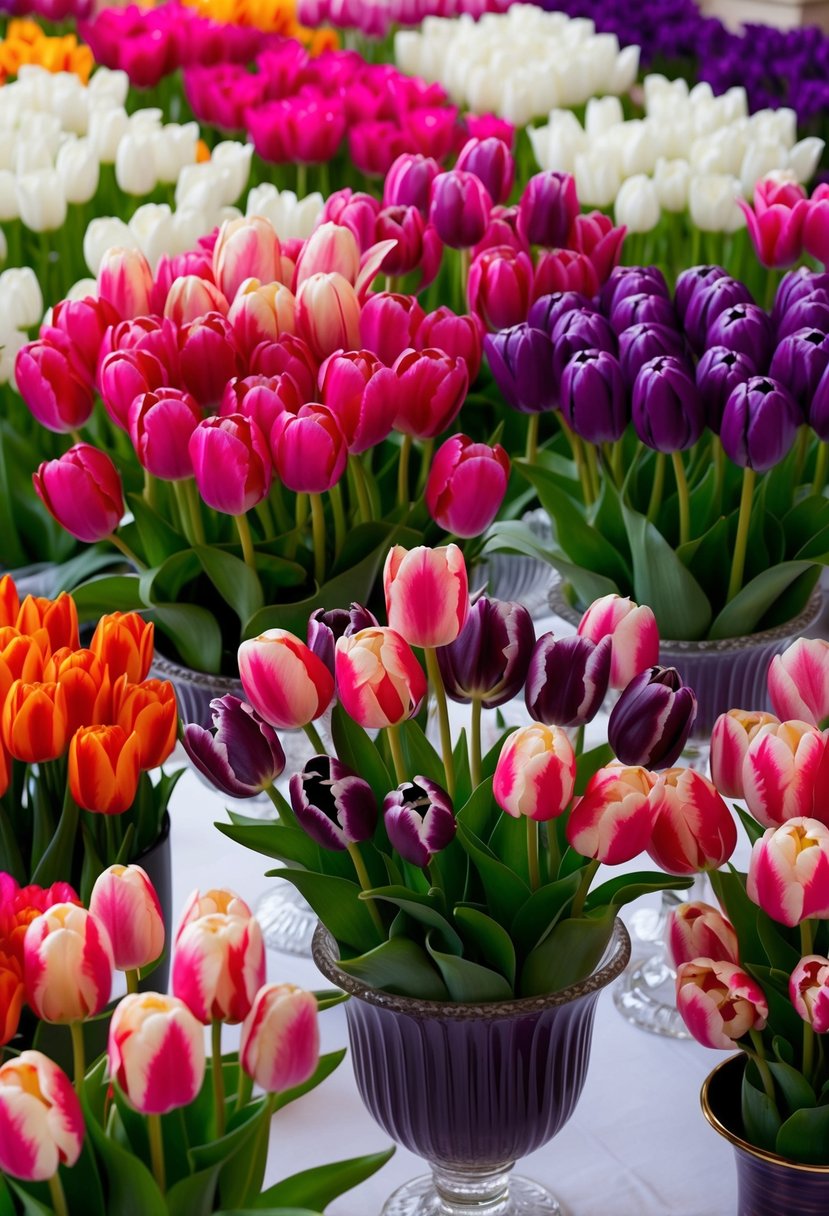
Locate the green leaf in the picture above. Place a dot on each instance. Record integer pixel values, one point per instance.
(52, 864)
(217, 1151)
(234, 580)
(422, 909)
(31, 1206)
(806, 520)
(166, 582)
(159, 539)
(318, 1187)
(193, 631)
(290, 845)
(568, 955)
(132, 1190)
(356, 750)
(742, 615)
(730, 889)
(337, 903)
(626, 887)
(753, 829)
(804, 1136)
(467, 981)
(479, 811)
(112, 593)
(660, 580)
(761, 1118)
(795, 1088)
(542, 911)
(401, 966)
(6, 1204)
(491, 940)
(778, 944)
(589, 763)
(505, 891)
(421, 757)
(516, 538)
(194, 1195)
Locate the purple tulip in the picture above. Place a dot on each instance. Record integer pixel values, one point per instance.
(647, 341)
(759, 424)
(459, 208)
(668, 412)
(547, 310)
(420, 820)
(488, 659)
(745, 328)
(547, 208)
(332, 804)
(707, 303)
(799, 363)
(567, 679)
(651, 721)
(521, 359)
(632, 281)
(691, 281)
(719, 371)
(583, 329)
(409, 182)
(809, 312)
(593, 396)
(326, 628)
(819, 409)
(490, 160)
(642, 307)
(793, 287)
(242, 755)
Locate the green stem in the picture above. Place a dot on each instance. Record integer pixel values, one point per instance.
(248, 552)
(193, 502)
(109, 836)
(244, 1089)
(475, 751)
(366, 884)
(301, 511)
(759, 1057)
(272, 794)
(718, 456)
(532, 854)
(78, 1054)
(463, 262)
(218, 1076)
(132, 979)
(593, 470)
(584, 886)
(126, 550)
(313, 736)
(150, 489)
(56, 1193)
(277, 497)
(361, 489)
(801, 451)
(301, 179)
(738, 561)
(426, 453)
(821, 468)
(338, 512)
(807, 946)
(396, 749)
(533, 423)
(157, 1151)
(554, 859)
(403, 472)
(180, 496)
(318, 527)
(436, 680)
(657, 487)
(684, 498)
(616, 466)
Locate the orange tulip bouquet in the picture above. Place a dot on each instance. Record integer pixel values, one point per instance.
(81, 730)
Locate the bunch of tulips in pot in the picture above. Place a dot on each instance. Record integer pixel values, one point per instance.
(81, 731)
(153, 1125)
(452, 891)
(689, 460)
(754, 972)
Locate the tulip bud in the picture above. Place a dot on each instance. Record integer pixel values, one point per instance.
(798, 681)
(798, 363)
(125, 280)
(261, 313)
(489, 658)
(535, 774)
(809, 991)
(280, 1042)
(104, 765)
(706, 304)
(123, 641)
(417, 245)
(640, 344)
(567, 679)
(788, 873)
(457, 336)
(125, 902)
(718, 1002)
(409, 182)
(160, 425)
(668, 413)
(690, 282)
(579, 329)
(156, 1052)
(564, 270)
(427, 593)
(34, 722)
(289, 355)
(41, 1117)
(745, 328)
(325, 628)
(388, 324)
(231, 463)
(242, 755)
(491, 161)
(53, 385)
(777, 232)
(782, 772)
(595, 236)
(328, 314)
(466, 485)
(125, 375)
(246, 248)
(693, 829)
(730, 738)
(217, 899)
(612, 822)
(284, 681)
(149, 711)
(333, 805)
(810, 312)
(356, 211)
(218, 966)
(697, 930)
(192, 297)
(208, 356)
(646, 308)
(593, 396)
(632, 281)
(379, 680)
(67, 957)
(82, 491)
(431, 388)
(633, 631)
(549, 205)
(759, 424)
(359, 391)
(309, 449)
(651, 721)
(459, 208)
(719, 372)
(521, 360)
(500, 286)
(419, 819)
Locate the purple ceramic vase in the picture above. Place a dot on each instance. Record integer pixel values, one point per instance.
(471, 1088)
(767, 1185)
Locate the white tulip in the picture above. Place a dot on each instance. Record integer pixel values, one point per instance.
(41, 200)
(8, 145)
(152, 227)
(148, 119)
(635, 146)
(234, 158)
(11, 341)
(712, 203)
(188, 224)
(82, 289)
(135, 164)
(174, 146)
(70, 103)
(102, 234)
(106, 130)
(31, 155)
(625, 70)
(760, 158)
(671, 179)
(637, 204)
(602, 114)
(109, 84)
(661, 92)
(79, 171)
(720, 152)
(597, 178)
(778, 126)
(735, 102)
(672, 135)
(9, 207)
(805, 157)
(556, 146)
(292, 219)
(21, 300)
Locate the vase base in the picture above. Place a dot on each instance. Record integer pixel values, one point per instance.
(525, 1198)
(287, 921)
(646, 997)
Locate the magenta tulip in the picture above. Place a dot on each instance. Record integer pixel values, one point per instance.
(693, 829)
(459, 208)
(698, 930)
(309, 449)
(379, 680)
(431, 389)
(500, 287)
(53, 386)
(466, 485)
(457, 336)
(427, 593)
(389, 323)
(360, 392)
(160, 427)
(126, 903)
(798, 681)
(231, 463)
(82, 490)
(125, 375)
(285, 682)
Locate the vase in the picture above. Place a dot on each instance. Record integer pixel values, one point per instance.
(767, 1185)
(517, 576)
(471, 1088)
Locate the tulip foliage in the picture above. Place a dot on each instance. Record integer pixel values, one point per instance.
(463, 872)
(754, 973)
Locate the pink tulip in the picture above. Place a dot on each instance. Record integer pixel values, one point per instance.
(125, 902)
(730, 738)
(777, 231)
(535, 773)
(125, 280)
(53, 386)
(374, 146)
(217, 899)
(809, 991)
(289, 355)
(418, 246)
(594, 236)
(155, 335)
(781, 770)
(632, 630)
(191, 297)
(67, 959)
(379, 680)
(799, 681)
(612, 822)
(693, 829)
(284, 680)
(280, 1043)
(770, 191)
(41, 1124)
(466, 485)
(816, 229)
(432, 387)
(156, 1052)
(328, 314)
(353, 210)
(788, 874)
(170, 268)
(309, 449)
(82, 490)
(208, 357)
(427, 593)
(260, 398)
(718, 1002)
(82, 324)
(409, 182)
(564, 270)
(246, 248)
(261, 312)
(160, 426)
(490, 160)
(359, 391)
(457, 336)
(125, 375)
(231, 463)
(388, 324)
(331, 248)
(500, 287)
(698, 930)
(218, 967)
(459, 208)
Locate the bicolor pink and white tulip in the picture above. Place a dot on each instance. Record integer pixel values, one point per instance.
(633, 631)
(246, 248)
(693, 829)
(285, 682)
(379, 680)
(125, 901)
(156, 1052)
(217, 899)
(427, 593)
(280, 1043)
(718, 1002)
(809, 991)
(730, 738)
(218, 967)
(612, 822)
(41, 1124)
(788, 873)
(536, 773)
(781, 770)
(798, 681)
(699, 930)
(68, 963)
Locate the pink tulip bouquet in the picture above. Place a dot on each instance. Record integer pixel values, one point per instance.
(156, 1125)
(754, 973)
(429, 864)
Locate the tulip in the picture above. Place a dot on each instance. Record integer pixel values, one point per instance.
(125, 280)
(488, 660)
(431, 388)
(325, 628)
(218, 966)
(289, 355)
(798, 363)
(389, 323)
(125, 902)
(491, 161)
(427, 593)
(86, 685)
(409, 182)
(788, 873)
(68, 963)
(730, 739)
(782, 772)
(419, 819)
(548, 206)
(565, 270)
(535, 774)
(231, 463)
(328, 314)
(279, 1046)
(520, 359)
(148, 710)
(156, 1052)
(459, 208)
(690, 282)
(104, 765)
(34, 721)
(283, 680)
(651, 721)
(359, 391)
(567, 679)
(745, 328)
(457, 336)
(759, 424)
(125, 375)
(798, 681)
(332, 804)
(261, 313)
(580, 329)
(499, 288)
(123, 641)
(309, 449)
(668, 412)
(160, 424)
(632, 281)
(719, 372)
(218, 899)
(719, 1002)
(9, 601)
(82, 491)
(593, 396)
(646, 307)
(246, 248)
(697, 930)
(794, 286)
(612, 822)
(595, 236)
(260, 398)
(693, 829)
(208, 357)
(809, 991)
(82, 324)
(53, 385)
(192, 297)
(776, 232)
(40, 1114)
(644, 342)
(633, 631)
(417, 248)
(53, 623)
(379, 681)
(706, 304)
(466, 485)
(242, 755)
(23, 301)
(356, 211)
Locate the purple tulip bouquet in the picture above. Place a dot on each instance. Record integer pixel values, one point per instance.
(689, 457)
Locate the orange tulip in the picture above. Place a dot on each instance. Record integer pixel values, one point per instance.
(9, 600)
(104, 769)
(12, 993)
(5, 770)
(52, 623)
(33, 724)
(87, 684)
(148, 709)
(123, 641)
(20, 659)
